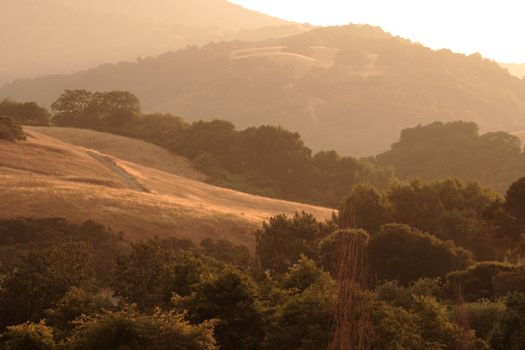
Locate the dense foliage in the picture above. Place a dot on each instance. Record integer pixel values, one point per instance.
(437, 150)
(67, 286)
(471, 216)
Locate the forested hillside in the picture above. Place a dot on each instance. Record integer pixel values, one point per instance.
(351, 88)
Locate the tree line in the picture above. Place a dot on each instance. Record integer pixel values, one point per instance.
(272, 161)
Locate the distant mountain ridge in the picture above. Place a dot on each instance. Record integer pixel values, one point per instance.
(351, 88)
(62, 36)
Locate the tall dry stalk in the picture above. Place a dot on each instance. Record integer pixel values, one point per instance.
(352, 307)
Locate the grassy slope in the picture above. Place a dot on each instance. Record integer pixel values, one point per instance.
(46, 177)
(125, 148)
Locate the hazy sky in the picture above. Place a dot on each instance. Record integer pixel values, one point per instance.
(494, 28)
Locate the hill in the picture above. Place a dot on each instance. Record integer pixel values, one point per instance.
(351, 88)
(69, 35)
(44, 177)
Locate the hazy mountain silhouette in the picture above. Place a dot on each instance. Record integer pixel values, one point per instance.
(351, 88)
(62, 36)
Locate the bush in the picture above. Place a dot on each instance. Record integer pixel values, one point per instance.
(28, 113)
(131, 330)
(28, 336)
(10, 130)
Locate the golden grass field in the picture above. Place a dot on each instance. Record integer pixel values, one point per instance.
(125, 148)
(44, 177)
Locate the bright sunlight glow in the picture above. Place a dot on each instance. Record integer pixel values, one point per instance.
(493, 28)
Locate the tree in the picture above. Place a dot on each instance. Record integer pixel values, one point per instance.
(82, 108)
(302, 319)
(395, 328)
(484, 315)
(112, 108)
(456, 149)
(226, 252)
(303, 274)
(515, 200)
(28, 113)
(510, 331)
(42, 279)
(146, 275)
(75, 303)
(230, 298)
(28, 336)
(10, 130)
(71, 106)
(406, 254)
(477, 281)
(364, 208)
(128, 329)
(281, 241)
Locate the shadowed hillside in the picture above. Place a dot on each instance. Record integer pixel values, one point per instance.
(43, 177)
(351, 88)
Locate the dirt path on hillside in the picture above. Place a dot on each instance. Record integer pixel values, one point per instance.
(132, 183)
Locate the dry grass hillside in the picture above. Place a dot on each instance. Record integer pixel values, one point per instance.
(125, 148)
(44, 177)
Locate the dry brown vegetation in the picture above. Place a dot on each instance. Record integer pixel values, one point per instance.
(125, 148)
(46, 177)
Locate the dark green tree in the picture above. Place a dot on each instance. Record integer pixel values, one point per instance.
(230, 298)
(281, 241)
(399, 252)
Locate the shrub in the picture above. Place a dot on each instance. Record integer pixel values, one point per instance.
(10, 130)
